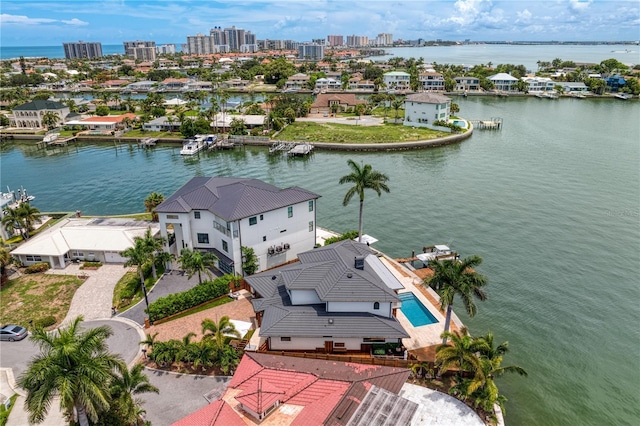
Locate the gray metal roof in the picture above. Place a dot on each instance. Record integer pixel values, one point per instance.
(39, 105)
(232, 198)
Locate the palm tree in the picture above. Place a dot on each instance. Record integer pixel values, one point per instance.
(138, 255)
(28, 215)
(194, 261)
(152, 201)
(454, 276)
(50, 119)
(203, 354)
(363, 178)
(123, 388)
(396, 105)
(462, 354)
(12, 221)
(154, 247)
(5, 260)
(74, 365)
(217, 331)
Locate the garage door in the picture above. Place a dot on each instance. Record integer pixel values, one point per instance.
(114, 257)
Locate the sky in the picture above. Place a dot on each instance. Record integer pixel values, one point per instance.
(51, 22)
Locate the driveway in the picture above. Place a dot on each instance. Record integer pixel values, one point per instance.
(15, 357)
(173, 282)
(180, 395)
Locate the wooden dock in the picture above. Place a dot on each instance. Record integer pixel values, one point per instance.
(147, 142)
(495, 123)
(223, 144)
(56, 142)
(300, 150)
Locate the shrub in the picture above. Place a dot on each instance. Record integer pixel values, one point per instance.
(349, 235)
(37, 267)
(178, 302)
(45, 322)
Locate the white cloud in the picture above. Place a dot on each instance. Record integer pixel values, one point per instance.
(21, 19)
(524, 16)
(75, 22)
(580, 6)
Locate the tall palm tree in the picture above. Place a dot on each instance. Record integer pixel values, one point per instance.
(154, 247)
(194, 261)
(152, 201)
(124, 387)
(454, 276)
(50, 119)
(5, 260)
(363, 177)
(74, 365)
(217, 331)
(12, 221)
(28, 215)
(138, 256)
(462, 354)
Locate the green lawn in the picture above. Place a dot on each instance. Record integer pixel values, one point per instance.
(35, 296)
(344, 133)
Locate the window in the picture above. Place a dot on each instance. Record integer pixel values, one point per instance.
(196, 215)
(34, 258)
(285, 339)
(311, 205)
(225, 246)
(290, 211)
(264, 238)
(172, 216)
(311, 226)
(373, 339)
(261, 217)
(376, 305)
(253, 221)
(203, 238)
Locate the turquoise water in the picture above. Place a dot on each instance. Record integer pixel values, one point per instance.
(415, 311)
(551, 203)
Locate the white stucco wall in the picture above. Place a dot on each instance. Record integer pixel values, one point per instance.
(385, 307)
(310, 343)
(304, 297)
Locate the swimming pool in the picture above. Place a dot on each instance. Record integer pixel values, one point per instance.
(460, 123)
(415, 311)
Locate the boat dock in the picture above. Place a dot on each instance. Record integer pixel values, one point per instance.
(495, 123)
(147, 142)
(46, 142)
(222, 144)
(300, 150)
(280, 146)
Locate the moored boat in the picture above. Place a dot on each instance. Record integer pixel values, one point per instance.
(193, 146)
(436, 252)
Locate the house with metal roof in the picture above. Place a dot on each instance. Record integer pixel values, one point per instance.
(281, 390)
(30, 114)
(223, 214)
(97, 239)
(338, 298)
(397, 80)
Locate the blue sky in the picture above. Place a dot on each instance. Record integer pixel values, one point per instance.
(51, 22)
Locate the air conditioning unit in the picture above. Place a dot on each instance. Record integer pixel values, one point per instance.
(278, 248)
(286, 246)
(271, 250)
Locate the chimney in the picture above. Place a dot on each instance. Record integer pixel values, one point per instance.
(358, 262)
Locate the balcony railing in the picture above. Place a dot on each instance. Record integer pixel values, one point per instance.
(221, 228)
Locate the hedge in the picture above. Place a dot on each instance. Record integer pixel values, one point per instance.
(178, 302)
(37, 267)
(349, 235)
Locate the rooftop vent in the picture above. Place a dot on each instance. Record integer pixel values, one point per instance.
(330, 320)
(273, 277)
(349, 275)
(358, 262)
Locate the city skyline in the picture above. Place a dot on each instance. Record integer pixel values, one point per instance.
(39, 23)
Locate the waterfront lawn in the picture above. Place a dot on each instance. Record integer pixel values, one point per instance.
(345, 133)
(33, 297)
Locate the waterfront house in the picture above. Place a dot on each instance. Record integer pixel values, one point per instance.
(615, 83)
(98, 239)
(162, 124)
(282, 390)
(397, 80)
(223, 214)
(467, 84)
(105, 124)
(431, 81)
(328, 84)
(539, 84)
(296, 82)
(324, 102)
(422, 109)
(141, 86)
(338, 298)
(30, 114)
(174, 84)
(503, 82)
(573, 86)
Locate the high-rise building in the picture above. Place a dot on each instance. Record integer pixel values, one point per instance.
(311, 51)
(142, 50)
(235, 38)
(355, 41)
(384, 39)
(166, 48)
(335, 40)
(81, 49)
(199, 44)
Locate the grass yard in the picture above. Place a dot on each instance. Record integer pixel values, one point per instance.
(36, 296)
(345, 133)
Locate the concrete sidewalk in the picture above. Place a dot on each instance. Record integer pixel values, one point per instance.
(19, 416)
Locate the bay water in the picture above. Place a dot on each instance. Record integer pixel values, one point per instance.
(551, 203)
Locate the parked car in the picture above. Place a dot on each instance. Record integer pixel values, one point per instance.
(13, 332)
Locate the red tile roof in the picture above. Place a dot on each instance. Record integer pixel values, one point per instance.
(110, 118)
(216, 413)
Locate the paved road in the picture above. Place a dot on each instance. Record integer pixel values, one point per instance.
(180, 395)
(173, 282)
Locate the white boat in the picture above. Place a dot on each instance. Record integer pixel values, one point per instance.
(193, 146)
(624, 96)
(210, 140)
(578, 95)
(50, 137)
(436, 252)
